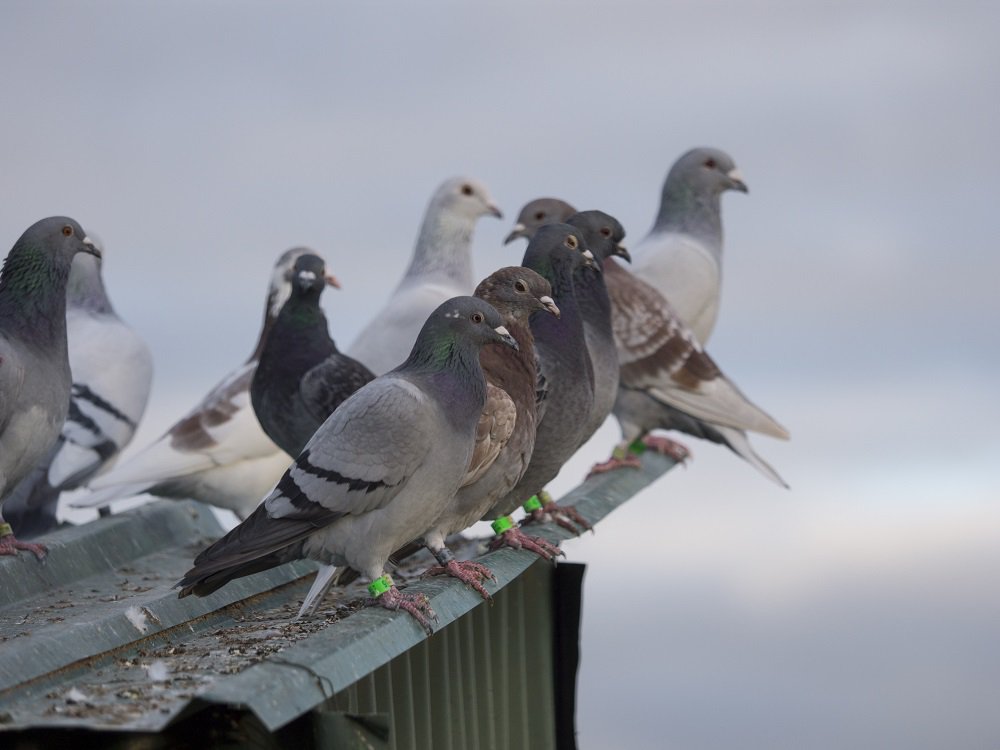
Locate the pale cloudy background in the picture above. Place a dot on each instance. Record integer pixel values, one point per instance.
(860, 609)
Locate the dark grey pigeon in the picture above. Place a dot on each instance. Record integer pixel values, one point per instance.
(377, 473)
(566, 378)
(538, 213)
(301, 376)
(112, 374)
(603, 236)
(34, 364)
(681, 257)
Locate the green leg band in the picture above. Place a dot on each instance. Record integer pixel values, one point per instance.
(5, 529)
(637, 446)
(502, 524)
(532, 504)
(380, 585)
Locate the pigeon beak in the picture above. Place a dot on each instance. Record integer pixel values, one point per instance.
(91, 248)
(505, 338)
(515, 233)
(736, 181)
(589, 262)
(549, 304)
(492, 210)
(331, 280)
(622, 253)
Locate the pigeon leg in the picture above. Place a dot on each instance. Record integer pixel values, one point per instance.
(9, 545)
(664, 446)
(621, 458)
(469, 572)
(543, 508)
(385, 594)
(508, 535)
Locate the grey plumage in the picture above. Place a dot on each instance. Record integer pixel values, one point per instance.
(217, 453)
(301, 376)
(681, 257)
(34, 363)
(112, 371)
(441, 268)
(379, 471)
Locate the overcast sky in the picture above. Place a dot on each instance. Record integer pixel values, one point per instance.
(201, 139)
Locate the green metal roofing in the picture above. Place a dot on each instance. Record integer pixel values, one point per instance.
(95, 636)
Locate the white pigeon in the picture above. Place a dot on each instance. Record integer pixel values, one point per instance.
(682, 254)
(112, 374)
(218, 452)
(441, 268)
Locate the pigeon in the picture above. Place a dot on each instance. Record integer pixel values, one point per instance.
(34, 363)
(301, 376)
(566, 377)
(645, 325)
(377, 473)
(441, 268)
(603, 236)
(217, 453)
(505, 436)
(112, 372)
(682, 254)
(669, 381)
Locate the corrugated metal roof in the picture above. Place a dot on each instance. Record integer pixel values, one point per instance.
(95, 636)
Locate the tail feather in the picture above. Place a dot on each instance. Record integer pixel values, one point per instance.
(739, 444)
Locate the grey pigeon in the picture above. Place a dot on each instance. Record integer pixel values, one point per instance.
(377, 473)
(34, 363)
(663, 369)
(217, 452)
(302, 376)
(682, 254)
(603, 235)
(112, 372)
(441, 268)
(505, 435)
(566, 378)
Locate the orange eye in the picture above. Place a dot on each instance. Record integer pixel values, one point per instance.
(67, 231)
(571, 242)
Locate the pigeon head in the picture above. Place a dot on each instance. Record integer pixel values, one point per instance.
(516, 292)
(309, 275)
(460, 326)
(280, 287)
(45, 251)
(602, 233)
(704, 171)
(537, 213)
(464, 199)
(556, 252)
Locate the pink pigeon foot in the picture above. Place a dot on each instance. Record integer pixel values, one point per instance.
(517, 539)
(417, 605)
(628, 461)
(564, 515)
(469, 572)
(9, 545)
(667, 447)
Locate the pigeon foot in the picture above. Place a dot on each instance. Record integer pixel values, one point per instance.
(667, 447)
(517, 539)
(418, 605)
(9, 545)
(625, 461)
(469, 572)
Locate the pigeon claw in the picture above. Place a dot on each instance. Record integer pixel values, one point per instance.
(625, 462)
(564, 515)
(517, 539)
(418, 605)
(469, 572)
(9, 545)
(667, 447)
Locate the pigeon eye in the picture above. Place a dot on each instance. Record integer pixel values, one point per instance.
(467, 190)
(520, 286)
(476, 318)
(67, 231)
(539, 216)
(605, 232)
(571, 242)
(710, 163)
